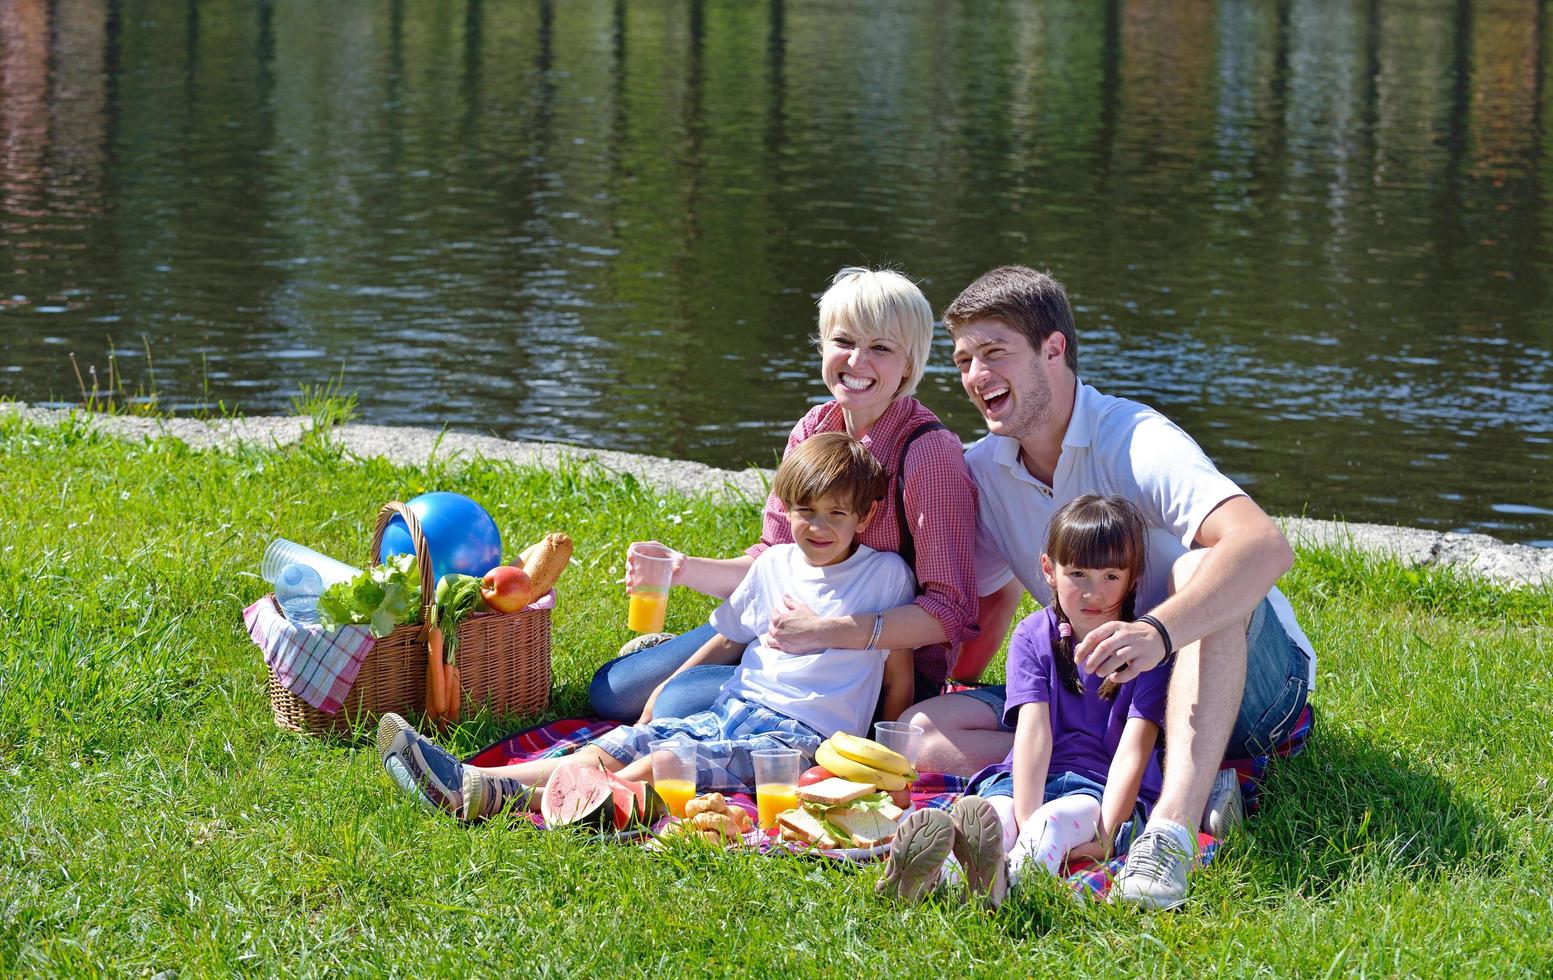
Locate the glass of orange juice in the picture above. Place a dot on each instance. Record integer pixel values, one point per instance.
(649, 572)
(674, 772)
(776, 782)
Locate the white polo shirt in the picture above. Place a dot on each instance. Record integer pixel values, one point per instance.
(1112, 446)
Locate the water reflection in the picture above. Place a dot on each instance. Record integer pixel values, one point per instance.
(1313, 232)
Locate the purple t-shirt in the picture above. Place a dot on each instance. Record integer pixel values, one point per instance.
(1085, 728)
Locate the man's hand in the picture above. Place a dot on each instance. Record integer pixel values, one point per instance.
(796, 629)
(1121, 651)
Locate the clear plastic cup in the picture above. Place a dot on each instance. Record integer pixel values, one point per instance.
(652, 572)
(674, 772)
(281, 553)
(901, 736)
(776, 782)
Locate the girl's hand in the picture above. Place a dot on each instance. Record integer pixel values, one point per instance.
(1120, 651)
(652, 549)
(796, 629)
(1095, 850)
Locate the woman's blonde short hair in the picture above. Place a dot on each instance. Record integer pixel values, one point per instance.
(881, 303)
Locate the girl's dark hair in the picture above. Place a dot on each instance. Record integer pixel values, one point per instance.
(1094, 532)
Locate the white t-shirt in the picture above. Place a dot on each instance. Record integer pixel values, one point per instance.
(829, 690)
(1112, 446)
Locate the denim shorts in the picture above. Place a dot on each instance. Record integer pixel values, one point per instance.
(1277, 686)
(1062, 784)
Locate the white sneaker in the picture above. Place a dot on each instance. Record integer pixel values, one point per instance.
(1226, 806)
(1155, 874)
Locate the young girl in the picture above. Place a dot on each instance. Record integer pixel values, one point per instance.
(1083, 770)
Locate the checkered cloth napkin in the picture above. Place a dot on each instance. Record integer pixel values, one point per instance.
(316, 666)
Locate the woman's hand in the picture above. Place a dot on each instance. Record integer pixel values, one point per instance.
(795, 628)
(655, 549)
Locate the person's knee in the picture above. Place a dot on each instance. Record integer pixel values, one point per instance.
(1183, 568)
(607, 699)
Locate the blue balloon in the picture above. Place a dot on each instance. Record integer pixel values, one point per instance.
(460, 535)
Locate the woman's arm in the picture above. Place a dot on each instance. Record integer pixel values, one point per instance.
(718, 650)
(900, 684)
(1126, 774)
(1032, 757)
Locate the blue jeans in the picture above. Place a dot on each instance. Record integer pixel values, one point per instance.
(1277, 685)
(620, 688)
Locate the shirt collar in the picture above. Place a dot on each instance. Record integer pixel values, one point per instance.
(888, 426)
(1081, 427)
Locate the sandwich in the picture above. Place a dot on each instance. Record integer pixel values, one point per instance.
(838, 813)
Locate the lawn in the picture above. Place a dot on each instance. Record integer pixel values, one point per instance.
(153, 818)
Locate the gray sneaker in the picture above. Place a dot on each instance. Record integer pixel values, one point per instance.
(1155, 874)
(917, 857)
(486, 796)
(978, 846)
(639, 643)
(1226, 806)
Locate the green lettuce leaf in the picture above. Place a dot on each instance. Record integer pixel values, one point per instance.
(382, 597)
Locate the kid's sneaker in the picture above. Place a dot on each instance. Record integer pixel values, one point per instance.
(978, 847)
(419, 766)
(486, 795)
(917, 857)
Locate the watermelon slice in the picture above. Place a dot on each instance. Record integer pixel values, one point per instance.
(577, 793)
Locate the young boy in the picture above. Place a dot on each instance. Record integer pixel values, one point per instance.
(831, 487)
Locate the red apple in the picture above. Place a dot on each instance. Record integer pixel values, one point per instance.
(814, 775)
(506, 588)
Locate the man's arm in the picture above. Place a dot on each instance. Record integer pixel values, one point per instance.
(899, 684)
(1246, 555)
(718, 650)
(994, 613)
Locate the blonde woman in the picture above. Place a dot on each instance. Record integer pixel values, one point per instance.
(875, 331)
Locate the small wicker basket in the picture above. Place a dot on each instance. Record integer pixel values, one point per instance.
(503, 659)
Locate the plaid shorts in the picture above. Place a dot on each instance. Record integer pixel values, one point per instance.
(725, 736)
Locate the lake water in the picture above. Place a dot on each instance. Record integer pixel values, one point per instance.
(1317, 234)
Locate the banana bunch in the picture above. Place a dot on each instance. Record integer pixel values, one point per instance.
(863, 760)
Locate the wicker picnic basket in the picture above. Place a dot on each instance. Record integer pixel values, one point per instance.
(503, 658)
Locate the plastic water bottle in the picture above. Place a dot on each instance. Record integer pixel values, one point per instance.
(297, 589)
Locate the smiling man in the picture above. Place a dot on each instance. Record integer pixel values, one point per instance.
(1242, 669)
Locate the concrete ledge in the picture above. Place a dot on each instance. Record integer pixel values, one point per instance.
(1478, 554)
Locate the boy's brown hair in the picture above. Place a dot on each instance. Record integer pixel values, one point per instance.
(1031, 302)
(830, 464)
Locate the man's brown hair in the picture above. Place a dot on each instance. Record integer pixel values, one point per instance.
(1031, 302)
(830, 464)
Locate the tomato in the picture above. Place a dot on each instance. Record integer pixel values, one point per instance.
(814, 775)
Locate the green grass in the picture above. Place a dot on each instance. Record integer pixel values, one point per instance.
(153, 818)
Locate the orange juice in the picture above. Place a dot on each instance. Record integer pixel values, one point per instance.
(676, 793)
(774, 798)
(646, 611)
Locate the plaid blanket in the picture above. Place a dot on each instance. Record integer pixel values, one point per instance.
(316, 666)
(932, 789)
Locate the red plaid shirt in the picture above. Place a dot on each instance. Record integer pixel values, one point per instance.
(941, 509)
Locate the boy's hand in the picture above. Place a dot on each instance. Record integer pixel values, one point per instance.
(796, 629)
(651, 548)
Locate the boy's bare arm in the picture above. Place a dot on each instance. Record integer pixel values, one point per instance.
(899, 684)
(718, 650)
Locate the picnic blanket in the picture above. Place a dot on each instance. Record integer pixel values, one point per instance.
(316, 666)
(932, 789)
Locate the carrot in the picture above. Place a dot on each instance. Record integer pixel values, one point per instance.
(455, 694)
(436, 677)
